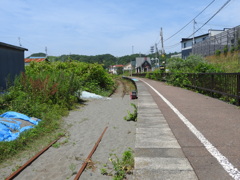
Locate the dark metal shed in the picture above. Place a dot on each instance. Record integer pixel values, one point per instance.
(11, 62)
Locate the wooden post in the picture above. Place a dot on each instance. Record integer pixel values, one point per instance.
(212, 85)
(238, 89)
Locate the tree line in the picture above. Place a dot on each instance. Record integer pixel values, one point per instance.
(105, 59)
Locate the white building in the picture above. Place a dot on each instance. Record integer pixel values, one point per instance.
(187, 43)
(128, 67)
(113, 68)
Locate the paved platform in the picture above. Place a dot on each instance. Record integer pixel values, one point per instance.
(157, 152)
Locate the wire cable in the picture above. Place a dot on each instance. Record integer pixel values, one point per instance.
(205, 22)
(211, 17)
(189, 22)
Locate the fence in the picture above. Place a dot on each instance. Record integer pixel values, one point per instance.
(224, 86)
(229, 39)
(217, 84)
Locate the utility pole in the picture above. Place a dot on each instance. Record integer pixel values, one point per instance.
(156, 49)
(156, 55)
(46, 50)
(194, 22)
(131, 63)
(163, 51)
(161, 35)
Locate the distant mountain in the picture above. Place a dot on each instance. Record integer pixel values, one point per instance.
(105, 59)
(37, 55)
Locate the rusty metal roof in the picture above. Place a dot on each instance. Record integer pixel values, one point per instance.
(119, 65)
(28, 60)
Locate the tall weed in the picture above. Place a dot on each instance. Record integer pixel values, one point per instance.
(47, 91)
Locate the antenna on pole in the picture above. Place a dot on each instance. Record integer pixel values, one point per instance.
(19, 40)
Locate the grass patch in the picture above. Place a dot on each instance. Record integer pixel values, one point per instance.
(120, 166)
(132, 116)
(229, 63)
(128, 85)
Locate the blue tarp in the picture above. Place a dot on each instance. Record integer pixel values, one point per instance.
(9, 123)
(16, 115)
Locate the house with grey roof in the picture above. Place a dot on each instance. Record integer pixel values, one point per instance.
(143, 64)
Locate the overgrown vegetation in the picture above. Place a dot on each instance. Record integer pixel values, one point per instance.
(177, 69)
(120, 166)
(191, 73)
(47, 91)
(177, 66)
(193, 64)
(229, 62)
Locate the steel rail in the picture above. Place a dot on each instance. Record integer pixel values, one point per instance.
(14, 174)
(124, 89)
(89, 156)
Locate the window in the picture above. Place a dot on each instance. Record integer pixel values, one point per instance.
(184, 45)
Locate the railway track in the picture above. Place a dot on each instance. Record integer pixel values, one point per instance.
(68, 159)
(123, 87)
(28, 163)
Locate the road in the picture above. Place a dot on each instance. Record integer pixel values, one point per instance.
(207, 129)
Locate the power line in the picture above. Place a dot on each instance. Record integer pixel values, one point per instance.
(189, 22)
(172, 46)
(204, 23)
(211, 17)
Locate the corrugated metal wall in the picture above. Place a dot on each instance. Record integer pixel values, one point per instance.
(208, 47)
(11, 64)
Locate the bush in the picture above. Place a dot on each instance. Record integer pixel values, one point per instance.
(47, 91)
(225, 50)
(232, 49)
(46, 84)
(193, 64)
(218, 52)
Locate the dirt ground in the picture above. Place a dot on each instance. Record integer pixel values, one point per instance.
(84, 126)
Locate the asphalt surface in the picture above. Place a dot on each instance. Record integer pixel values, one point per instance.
(217, 121)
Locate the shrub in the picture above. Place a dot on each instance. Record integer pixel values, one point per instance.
(225, 50)
(132, 116)
(193, 64)
(218, 52)
(121, 166)
(232, 49)
(47, 91)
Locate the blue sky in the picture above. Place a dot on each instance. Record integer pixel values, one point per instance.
(92, 27)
